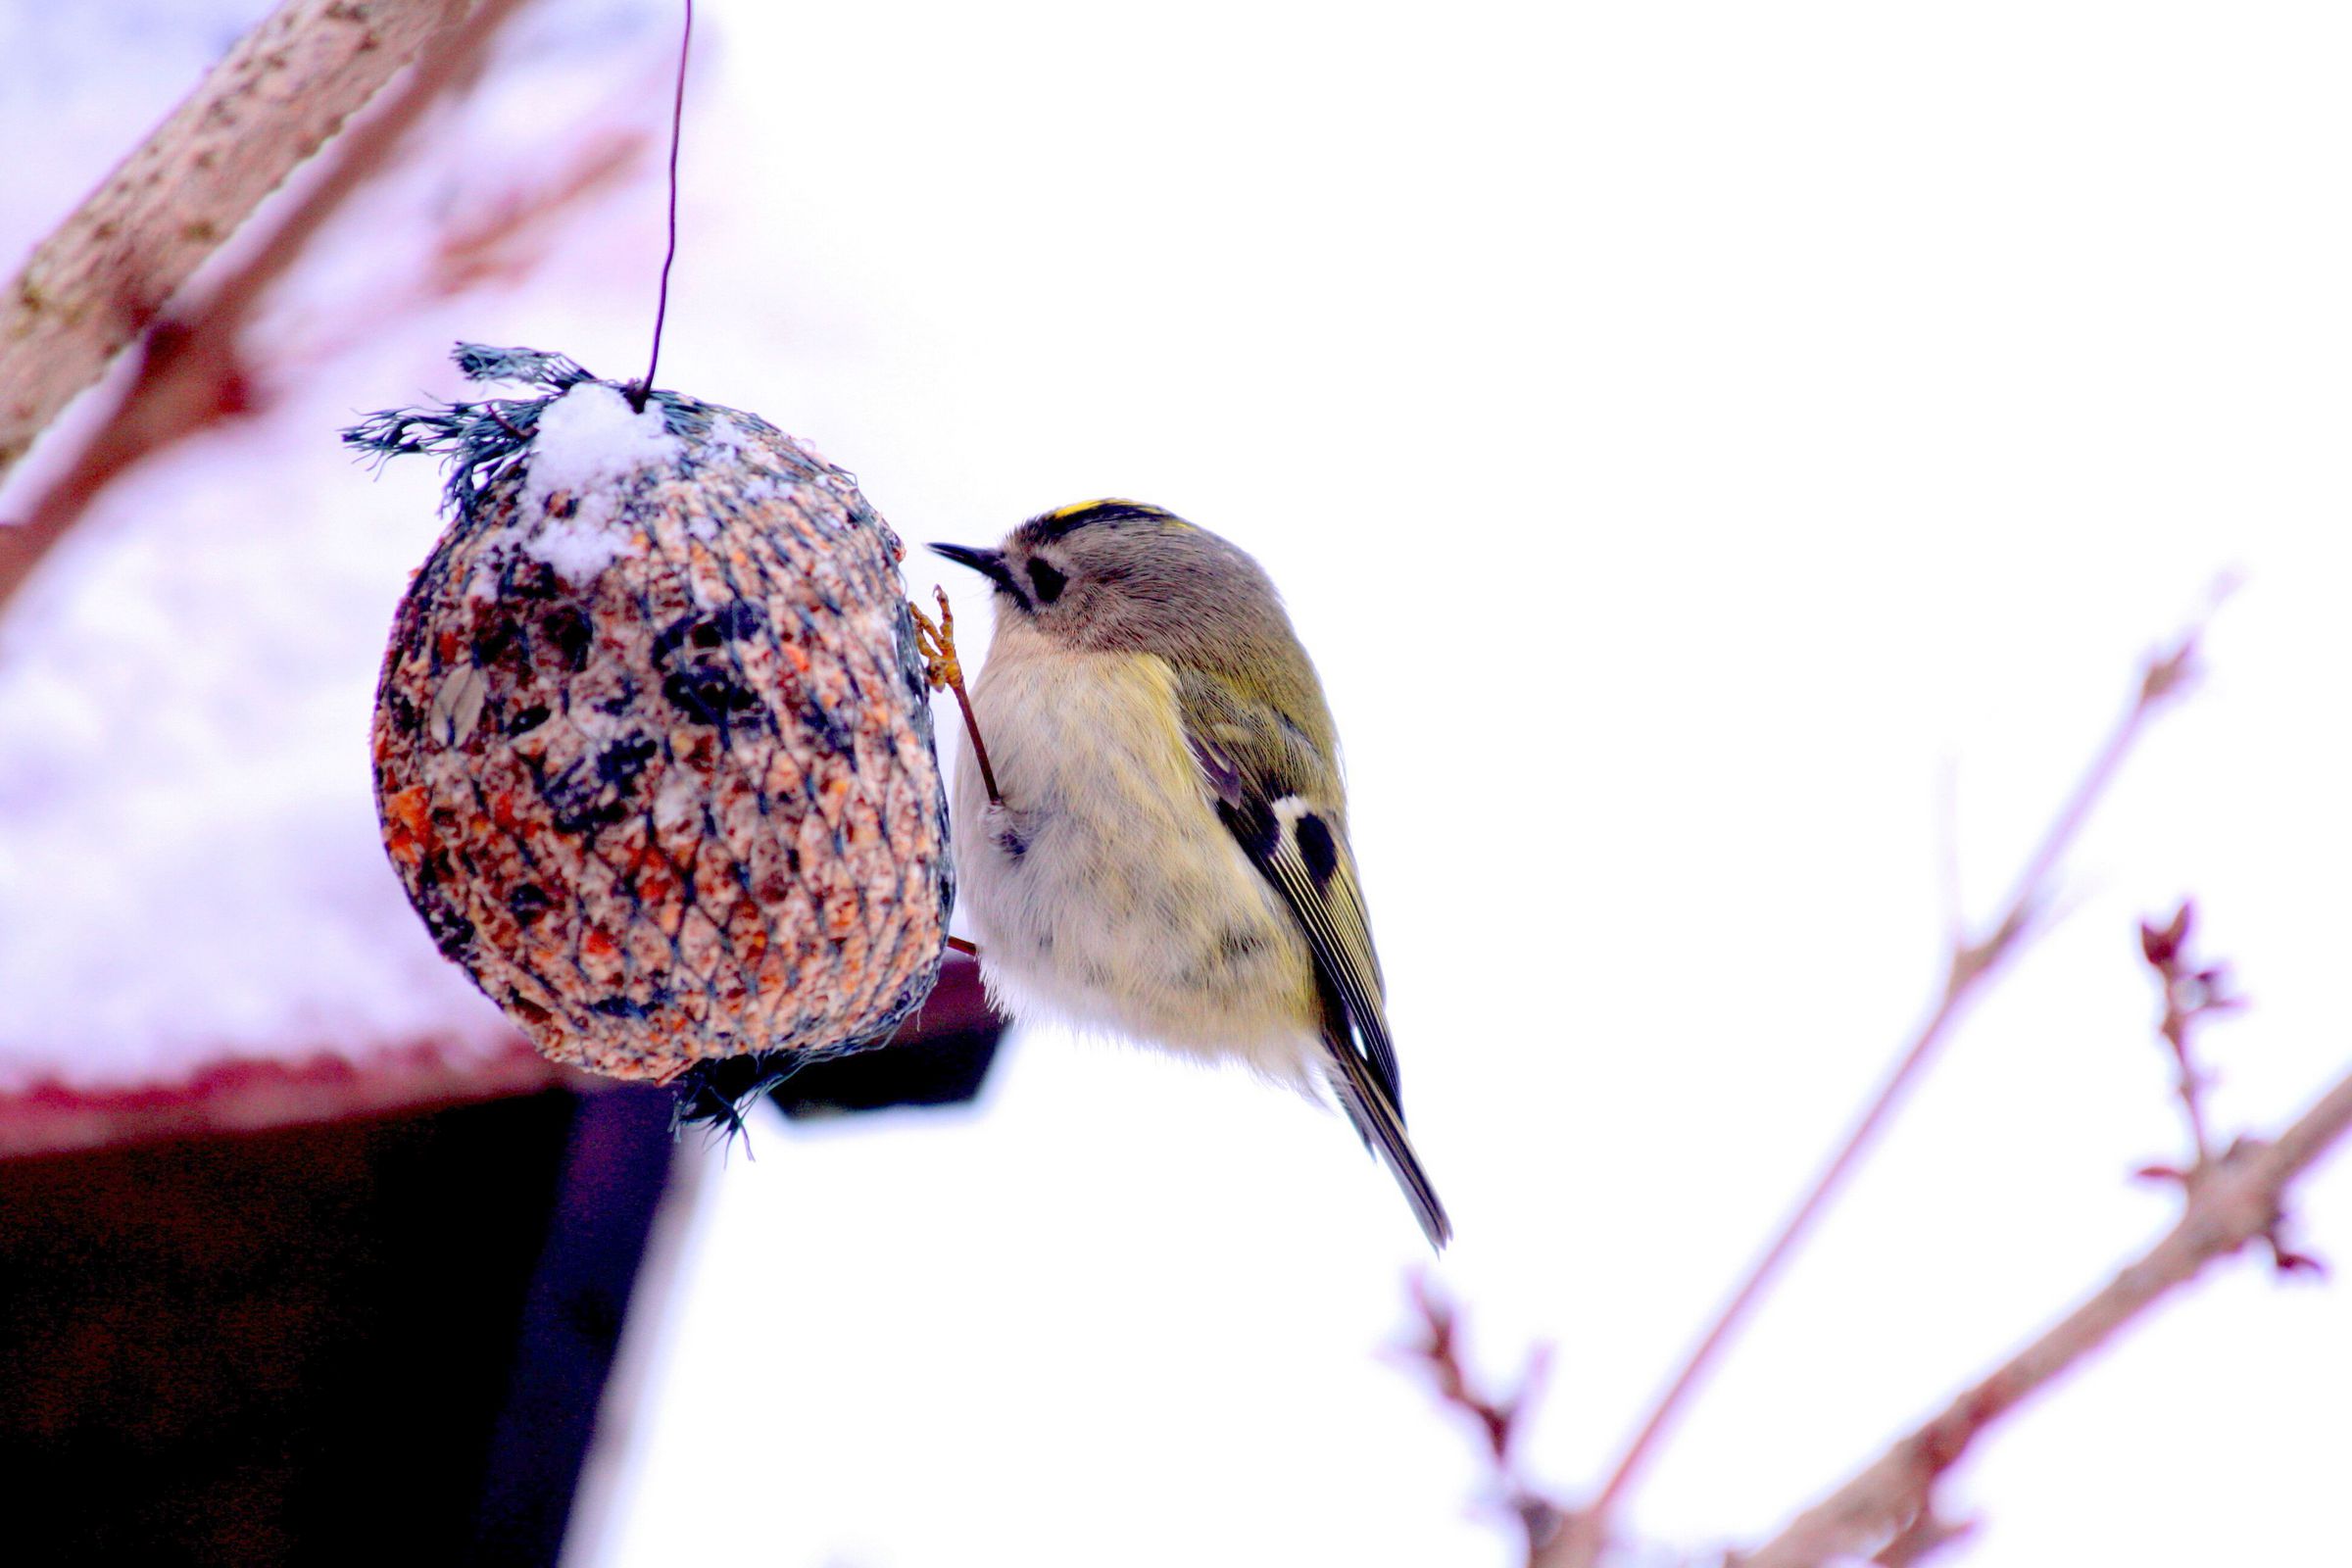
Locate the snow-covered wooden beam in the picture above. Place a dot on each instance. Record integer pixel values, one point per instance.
(50, 1108)
(100, 279)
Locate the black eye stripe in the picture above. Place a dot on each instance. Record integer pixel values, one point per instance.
(1048, 582)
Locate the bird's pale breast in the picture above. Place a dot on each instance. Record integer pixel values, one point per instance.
(1106, 891)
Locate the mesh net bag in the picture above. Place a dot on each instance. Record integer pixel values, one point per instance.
(652, 739)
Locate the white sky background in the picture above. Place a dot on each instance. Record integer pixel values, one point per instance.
(1684, 435)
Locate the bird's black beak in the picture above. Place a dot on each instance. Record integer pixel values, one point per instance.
(990, 563)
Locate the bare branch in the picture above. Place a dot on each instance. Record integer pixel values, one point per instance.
(2239, 1199)
(103, 276)
(193, 372)
(512, 235)
(1925, 1537)
(1970, 964)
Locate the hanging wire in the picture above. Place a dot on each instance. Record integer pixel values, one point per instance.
(640, 390)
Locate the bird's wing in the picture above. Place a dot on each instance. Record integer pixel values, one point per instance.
(1279, 799)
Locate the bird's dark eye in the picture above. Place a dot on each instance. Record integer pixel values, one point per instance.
(1048, 582)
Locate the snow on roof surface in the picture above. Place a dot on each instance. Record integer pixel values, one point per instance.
(190, 866)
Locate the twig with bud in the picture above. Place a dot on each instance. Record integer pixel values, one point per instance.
(1437, 1348)
(2193, 992)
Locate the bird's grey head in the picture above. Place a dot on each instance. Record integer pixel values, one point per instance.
(1119, 575)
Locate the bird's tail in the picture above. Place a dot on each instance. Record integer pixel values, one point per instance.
(1382, 1129)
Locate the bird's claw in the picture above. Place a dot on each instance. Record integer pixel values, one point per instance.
(936, 641)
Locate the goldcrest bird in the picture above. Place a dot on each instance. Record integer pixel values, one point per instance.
(1169, 859)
